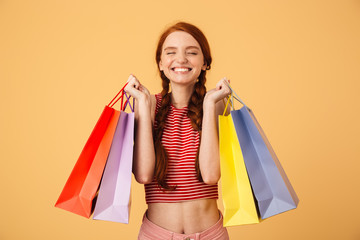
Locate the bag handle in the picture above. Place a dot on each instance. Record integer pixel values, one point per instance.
(122, 104)
(112, 103)
(128, 102)
(231, 100)
(236, 96)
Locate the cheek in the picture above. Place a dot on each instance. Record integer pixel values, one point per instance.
(166, 62)
(199, 60)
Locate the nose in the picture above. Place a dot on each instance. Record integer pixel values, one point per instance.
(182, 58)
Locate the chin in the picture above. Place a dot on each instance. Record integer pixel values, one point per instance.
(185, 81)
(182, 79)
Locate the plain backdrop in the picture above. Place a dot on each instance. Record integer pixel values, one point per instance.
(295, 63)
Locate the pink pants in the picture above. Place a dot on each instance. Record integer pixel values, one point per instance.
(151, 231)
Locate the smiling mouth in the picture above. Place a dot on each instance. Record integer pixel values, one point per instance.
(176, 69)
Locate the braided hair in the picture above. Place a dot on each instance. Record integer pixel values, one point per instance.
(195, 105)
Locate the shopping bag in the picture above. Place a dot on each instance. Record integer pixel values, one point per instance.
(272, 189)
(81, 187)
(238, 199)
(113, 201)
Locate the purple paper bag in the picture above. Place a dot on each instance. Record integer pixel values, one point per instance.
(113, 202)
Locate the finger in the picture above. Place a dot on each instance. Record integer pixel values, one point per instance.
(133, 82)
(218, 85)
(227, 87)
(135, 93)
(132, 88)
(225, 90)
(222, 83)
(227, 84)
(131, 76)
(143, 89)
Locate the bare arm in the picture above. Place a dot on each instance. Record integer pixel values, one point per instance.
(209, 157)
(144, 153)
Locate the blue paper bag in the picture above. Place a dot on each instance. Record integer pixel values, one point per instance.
(271, 187)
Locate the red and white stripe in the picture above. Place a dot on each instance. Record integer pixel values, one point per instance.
(181, 142)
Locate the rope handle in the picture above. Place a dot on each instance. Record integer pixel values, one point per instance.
(236, 96)
(128, 103)
(112, 103)
(231, 100)
(123, 105)
(227, 104)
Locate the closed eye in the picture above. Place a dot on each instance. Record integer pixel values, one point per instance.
(168, 53)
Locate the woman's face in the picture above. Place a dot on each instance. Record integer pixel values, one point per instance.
(181, 59)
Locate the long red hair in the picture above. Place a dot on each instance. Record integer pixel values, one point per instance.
(195, 105)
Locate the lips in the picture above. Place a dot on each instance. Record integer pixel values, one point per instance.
(181, 69)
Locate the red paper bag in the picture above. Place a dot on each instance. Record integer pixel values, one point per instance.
(80, 189)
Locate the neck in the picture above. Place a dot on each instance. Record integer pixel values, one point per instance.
(180, 95)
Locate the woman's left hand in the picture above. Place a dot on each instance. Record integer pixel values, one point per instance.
(209, 157)
(221, 91)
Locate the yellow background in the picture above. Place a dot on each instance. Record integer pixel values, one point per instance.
(295, 63)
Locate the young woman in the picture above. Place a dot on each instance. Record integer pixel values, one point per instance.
(176, 151)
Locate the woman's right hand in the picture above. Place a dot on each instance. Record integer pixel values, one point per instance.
(144, 153)
(136, 90)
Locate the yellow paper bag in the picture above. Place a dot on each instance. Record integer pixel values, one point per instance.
(238, 200)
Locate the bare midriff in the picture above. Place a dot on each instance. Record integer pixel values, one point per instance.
(184, 217)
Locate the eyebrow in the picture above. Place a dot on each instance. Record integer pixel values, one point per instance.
(171, 48)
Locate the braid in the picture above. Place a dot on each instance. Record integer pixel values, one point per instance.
(195, 113)
(160, 153)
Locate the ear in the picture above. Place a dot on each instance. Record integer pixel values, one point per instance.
(204, 67)
(161, 66)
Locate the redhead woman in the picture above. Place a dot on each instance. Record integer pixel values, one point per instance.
(176, 153)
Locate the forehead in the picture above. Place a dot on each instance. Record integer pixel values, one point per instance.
(180, 39)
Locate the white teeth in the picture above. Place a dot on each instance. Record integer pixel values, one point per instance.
(181, 69)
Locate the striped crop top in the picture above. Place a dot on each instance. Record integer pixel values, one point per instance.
(181, 143)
